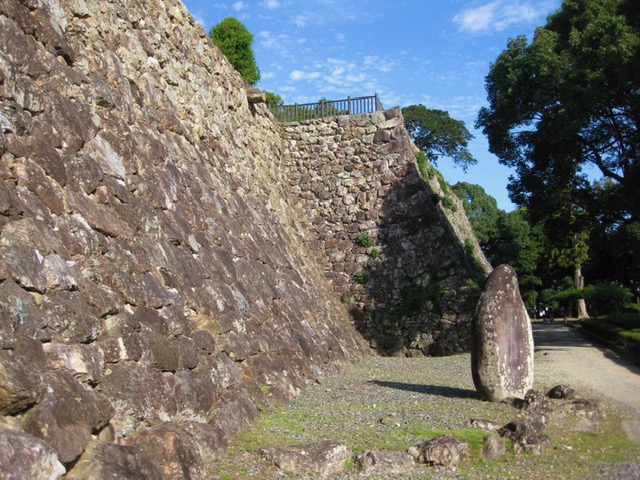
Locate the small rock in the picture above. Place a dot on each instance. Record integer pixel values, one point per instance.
(525, 433)
(379, 462)
(318, 460)
(564, 392)
(443, 451)
(493, 447)
(487, 425)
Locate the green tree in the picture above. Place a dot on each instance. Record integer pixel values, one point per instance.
(506, 238)
(273, 99)
(575, 88)
(438, 135)
(232, 37)
(567, 102)
(482, 212)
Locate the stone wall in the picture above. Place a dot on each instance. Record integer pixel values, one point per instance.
(155, 291)
(394, 242)
(170, 255)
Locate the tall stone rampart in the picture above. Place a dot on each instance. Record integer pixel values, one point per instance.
(170, 254)
(155, 292)
(393, 241)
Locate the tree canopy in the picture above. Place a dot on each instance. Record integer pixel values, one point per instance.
(438, 135)
(232, 37)
(567, 102)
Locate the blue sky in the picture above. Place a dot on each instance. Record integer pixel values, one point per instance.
(430, 52)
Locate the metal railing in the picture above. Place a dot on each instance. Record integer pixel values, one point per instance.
(326, 108)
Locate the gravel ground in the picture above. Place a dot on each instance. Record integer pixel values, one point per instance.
(391, 403)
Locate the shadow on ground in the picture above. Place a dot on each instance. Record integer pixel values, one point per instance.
(554, 336)
(441, 391)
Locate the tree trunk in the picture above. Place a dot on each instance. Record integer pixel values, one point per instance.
(578, 283)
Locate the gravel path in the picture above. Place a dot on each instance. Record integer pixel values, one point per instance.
(390, 403)
(563, 352)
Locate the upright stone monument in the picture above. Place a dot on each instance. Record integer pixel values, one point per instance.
(502, 341)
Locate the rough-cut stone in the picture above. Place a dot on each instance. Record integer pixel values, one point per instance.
(21, 362)
(172, 448)
(319, 460)
(525, 433)
(502, 339)
(444, 451)
(493, 447)
(138, 394)
(85, 362)
(153, 235)
(106, 461)
(67, 414)
(562, 392)
(25, 456)
(384, 463)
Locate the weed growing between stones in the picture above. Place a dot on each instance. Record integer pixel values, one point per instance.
(364, 240)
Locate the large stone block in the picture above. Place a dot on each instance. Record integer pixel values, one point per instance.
(502, 340)
(102, 461)
(25, 456)
(21, 362)
(67, 414)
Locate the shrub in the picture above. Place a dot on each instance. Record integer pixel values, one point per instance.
(608, 298)
(364, 240)
(360, 277)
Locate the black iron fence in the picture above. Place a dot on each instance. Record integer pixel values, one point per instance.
(326, 108)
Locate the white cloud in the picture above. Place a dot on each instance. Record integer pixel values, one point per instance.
(497, 15)
(298, 75)
(271, 4)
(239, 6)
(299, 20)
(376, 63)
(341, 37)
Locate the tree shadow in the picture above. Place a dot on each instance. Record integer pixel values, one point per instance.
(560, 337)
(438, 390)
(553, 336)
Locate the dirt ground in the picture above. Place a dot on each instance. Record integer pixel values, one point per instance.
(562, 352)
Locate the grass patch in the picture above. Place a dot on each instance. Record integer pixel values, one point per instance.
(390, 404)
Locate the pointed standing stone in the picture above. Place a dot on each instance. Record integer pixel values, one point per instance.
(502, 340)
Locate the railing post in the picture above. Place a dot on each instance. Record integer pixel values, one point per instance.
(348, 105)
(295, 113)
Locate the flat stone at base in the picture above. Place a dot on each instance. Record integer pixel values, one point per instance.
(319, 460)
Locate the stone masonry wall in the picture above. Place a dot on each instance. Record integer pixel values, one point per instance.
(155, 292)
(356, 178)
(170, 254)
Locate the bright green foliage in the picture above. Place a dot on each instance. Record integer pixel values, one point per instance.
(438, 135)
(506, 238)
(364, 240)
(481, 210)
(272, 98)
(568, 100)
(232, 37)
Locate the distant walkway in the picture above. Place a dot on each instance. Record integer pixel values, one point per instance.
(326, 108)
(564, 355)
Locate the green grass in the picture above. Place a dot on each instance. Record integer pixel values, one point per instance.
(382, 417)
